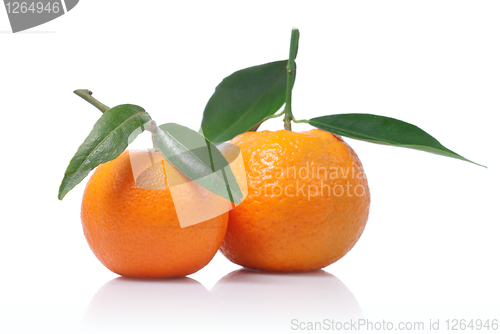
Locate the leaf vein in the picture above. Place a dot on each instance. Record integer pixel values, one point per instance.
(254, 104)
(105, 138)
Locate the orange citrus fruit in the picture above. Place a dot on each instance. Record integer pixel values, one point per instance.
(135, 232)
(307, 203)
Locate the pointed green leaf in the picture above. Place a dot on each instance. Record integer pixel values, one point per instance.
(199, 159)
(110, 136)
(383, 130)
(244, 99)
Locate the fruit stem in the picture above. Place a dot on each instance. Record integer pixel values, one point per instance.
(154, 130)
(290, 78)
(256, 126)
(87, 96)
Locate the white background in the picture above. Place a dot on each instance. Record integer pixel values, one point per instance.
(430, 249)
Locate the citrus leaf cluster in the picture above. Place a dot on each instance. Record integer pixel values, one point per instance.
(249, 97)
(241, 102)
(187, 150)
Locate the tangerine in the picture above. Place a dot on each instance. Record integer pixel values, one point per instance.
(307, 205)
(134, 231)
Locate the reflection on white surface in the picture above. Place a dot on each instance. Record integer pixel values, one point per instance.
(125, 305)
(242, 301)
(251, 301)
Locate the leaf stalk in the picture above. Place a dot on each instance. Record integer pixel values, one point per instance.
(87, 96)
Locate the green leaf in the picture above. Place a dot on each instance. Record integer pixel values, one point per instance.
(199, 159)
(110, 136)
(244, 99)
(383, 130)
